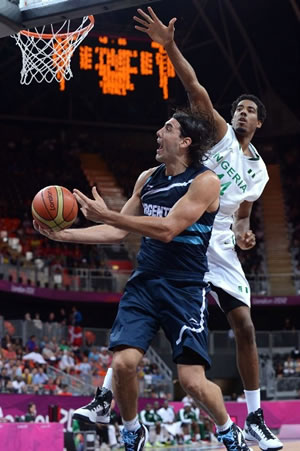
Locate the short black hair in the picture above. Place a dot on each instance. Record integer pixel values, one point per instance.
(200, 127)
(261, 109)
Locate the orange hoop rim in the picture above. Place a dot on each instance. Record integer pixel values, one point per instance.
(33, 34)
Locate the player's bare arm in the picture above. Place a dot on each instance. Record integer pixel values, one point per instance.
(100, 233)
(245, 238)
(164, 35)
(203, 195)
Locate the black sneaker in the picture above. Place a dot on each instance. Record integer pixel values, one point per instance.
(257, 430)
(233, 439)
(135, 441)
(98, 410)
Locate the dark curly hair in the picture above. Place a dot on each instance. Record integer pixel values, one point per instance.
(200, 127)
(261, 109)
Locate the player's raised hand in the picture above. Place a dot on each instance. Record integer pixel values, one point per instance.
(154, 27)
(247, 241)
(92, 209)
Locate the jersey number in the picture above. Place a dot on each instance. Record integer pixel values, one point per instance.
(224, 186)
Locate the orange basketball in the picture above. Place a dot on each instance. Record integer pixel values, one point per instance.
(54, 207)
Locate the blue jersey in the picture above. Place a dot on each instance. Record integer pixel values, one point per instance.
(185, 256)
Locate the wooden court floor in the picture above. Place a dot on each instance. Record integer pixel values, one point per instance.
(287, 446)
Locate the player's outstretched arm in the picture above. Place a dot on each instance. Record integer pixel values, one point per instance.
(203, 195)
(164, 35)
(100, 233)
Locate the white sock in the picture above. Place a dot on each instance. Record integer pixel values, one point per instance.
(225, 426)
(132, 425)
(252, 399)
(107, 383)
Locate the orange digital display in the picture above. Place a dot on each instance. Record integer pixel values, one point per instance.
(117, 66)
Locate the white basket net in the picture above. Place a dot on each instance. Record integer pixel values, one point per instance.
(47, 53)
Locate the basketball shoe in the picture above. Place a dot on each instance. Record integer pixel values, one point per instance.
(257, 430)
(233, 439)
(135, 441)
(98, 410)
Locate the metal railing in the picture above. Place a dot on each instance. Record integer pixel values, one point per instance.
(90, 279)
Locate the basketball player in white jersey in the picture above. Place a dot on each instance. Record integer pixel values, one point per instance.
(243, 176)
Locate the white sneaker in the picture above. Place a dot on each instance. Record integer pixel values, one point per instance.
(257, 430)
(98, 410)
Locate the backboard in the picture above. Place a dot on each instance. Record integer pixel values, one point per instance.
(16, 15)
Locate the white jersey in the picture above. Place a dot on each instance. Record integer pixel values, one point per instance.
(242, 178)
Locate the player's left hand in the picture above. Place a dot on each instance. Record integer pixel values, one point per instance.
(93, 209)
(246, 241)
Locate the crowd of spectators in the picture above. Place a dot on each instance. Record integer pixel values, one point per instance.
(289, 161)
(45, 364)
(288, 365)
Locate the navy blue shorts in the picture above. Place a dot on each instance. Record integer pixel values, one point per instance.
(178, 307)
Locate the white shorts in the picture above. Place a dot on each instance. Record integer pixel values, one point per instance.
(225, 269)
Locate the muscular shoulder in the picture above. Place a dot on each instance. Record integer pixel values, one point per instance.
(142, 178)
(207, 177)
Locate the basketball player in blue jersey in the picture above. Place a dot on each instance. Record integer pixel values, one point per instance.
(243, 176)
(173, 207)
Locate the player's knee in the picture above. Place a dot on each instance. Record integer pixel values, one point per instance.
(245, 332)
(195, 388)
(123, 367)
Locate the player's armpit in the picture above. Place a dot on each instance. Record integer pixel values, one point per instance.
(133, 206)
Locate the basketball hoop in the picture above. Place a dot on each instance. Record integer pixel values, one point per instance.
(46, 54)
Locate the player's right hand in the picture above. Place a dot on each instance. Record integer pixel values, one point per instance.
(56, 236)
(154, 27)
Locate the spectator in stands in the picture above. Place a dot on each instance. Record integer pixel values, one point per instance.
(76, 316)
(27, 317)
(9, 353)
(47, 352)
(94, 354)
(50, 387)
(105, 357)
(19, 385)
(289, 366)
(40, 378)
(84, 367)
(65, 391)
(31, 413)
(31, 345)
(5, 340)
(62, 317)
(67, 362)
(27, 376)
(4, 379)
(51, 318)
(53, 345)
(37, 321)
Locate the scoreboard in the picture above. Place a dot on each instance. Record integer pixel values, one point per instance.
(119, 64)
